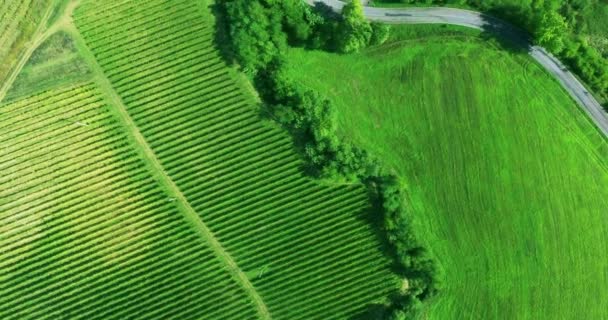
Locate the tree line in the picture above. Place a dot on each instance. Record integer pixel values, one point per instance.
(260, 31)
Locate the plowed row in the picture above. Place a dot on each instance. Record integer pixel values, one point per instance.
(308, 249)
(86, 232)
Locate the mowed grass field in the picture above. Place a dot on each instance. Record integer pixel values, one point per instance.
(148, 187)
(507, 179)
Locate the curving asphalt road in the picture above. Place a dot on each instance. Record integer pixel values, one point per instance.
(477, 20)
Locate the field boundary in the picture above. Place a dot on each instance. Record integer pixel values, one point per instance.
(158, 171)
(37, 39)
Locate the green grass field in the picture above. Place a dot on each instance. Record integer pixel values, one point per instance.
(19, 22)
(54, 64)
(507, 179)
(144, 185)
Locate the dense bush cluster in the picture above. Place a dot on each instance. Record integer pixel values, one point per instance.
(418, 265)
(260, 31)
(554, 24)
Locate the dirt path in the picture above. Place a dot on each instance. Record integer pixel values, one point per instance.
(40, 35)
(158, 171)
(37, 39)
(477, 20)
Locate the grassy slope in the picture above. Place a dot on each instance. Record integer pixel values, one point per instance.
(507, 178)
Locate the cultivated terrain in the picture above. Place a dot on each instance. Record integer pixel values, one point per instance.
(253, 159)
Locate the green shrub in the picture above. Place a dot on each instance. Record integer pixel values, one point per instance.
(380, 33)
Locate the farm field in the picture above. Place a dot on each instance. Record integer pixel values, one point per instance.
(307, 248)
(507, 179)
(55, 63)
(143, 184)
(86, 230)
(21, 23)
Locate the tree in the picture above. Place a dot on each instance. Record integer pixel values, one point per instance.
(380, 33)
(256, 34)
(355, 31)
(551, 30)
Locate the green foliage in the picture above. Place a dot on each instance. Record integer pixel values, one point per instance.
(406, 308)
(312, 120)
(255, 30)
(588, 63)
(554, 24)
(260, 30)
(419, 268)
(380, 33)
(550, 32)
(355, 31)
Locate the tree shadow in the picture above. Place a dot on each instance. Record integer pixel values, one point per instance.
(373, 312)
(374, 217)
(506, 35)
(326, 11)
(222, 41)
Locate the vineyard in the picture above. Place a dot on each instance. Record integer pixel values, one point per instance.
(157, 191)
(86, 232)
(54, 64)
(308, 249)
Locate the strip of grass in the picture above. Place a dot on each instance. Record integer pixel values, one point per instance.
(54, 64)
(506, 176)
(19, 21)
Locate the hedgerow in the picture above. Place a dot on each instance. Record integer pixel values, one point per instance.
(260, 32)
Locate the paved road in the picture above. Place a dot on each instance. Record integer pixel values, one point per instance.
(477, 20)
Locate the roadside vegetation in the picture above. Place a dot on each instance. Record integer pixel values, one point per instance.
(312, 120)
(574, 31)
(505, 176)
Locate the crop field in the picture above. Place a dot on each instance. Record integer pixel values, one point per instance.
(19, 21)
(86, 231)
(507, 179)
(145, 185)
(306, 248)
